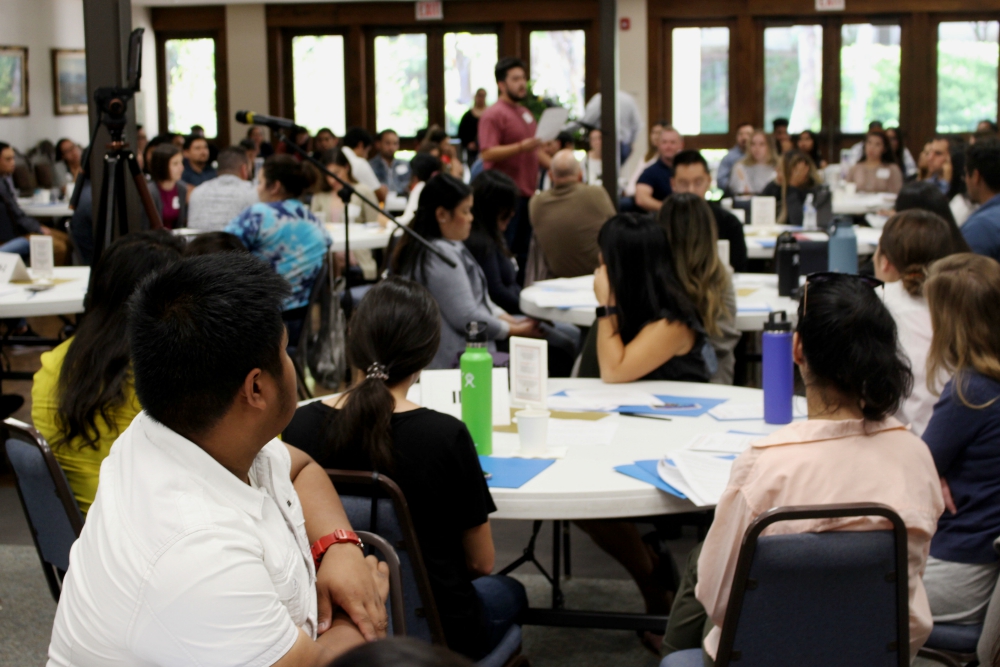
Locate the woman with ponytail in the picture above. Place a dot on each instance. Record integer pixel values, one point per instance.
(393, 335)
(910, 242)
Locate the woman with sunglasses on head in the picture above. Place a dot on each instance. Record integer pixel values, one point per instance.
(910, 242)
(849, 450)
(963, 293)
(394, 334)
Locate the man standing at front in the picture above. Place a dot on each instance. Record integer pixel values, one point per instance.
(507, 143)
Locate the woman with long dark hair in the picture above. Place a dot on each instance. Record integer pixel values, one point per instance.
(927, 196)
(444, 217)
(169, 192)
(393, 335)
(494, 202)
(649, 329)
(795, 180)
(808, 143)
(878, 171)
(82, 397)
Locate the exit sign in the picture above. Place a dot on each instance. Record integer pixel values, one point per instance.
(830, 5)
(430, 11)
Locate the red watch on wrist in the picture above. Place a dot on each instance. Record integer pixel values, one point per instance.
(338, 536)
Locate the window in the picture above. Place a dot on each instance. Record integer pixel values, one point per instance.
(558, 66)
(401, 83)
(468, 66)
(793, 76)
(190, 69)
(318, 82)
(966, 75)
(869, 76)
(700, 80)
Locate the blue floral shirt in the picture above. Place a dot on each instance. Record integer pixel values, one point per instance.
(287, 236)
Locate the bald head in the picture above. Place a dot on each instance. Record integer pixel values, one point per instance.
(564, 168)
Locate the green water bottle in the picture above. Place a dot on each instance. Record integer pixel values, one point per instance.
(476, 367)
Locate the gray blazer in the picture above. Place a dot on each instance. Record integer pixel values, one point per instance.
(462, 296)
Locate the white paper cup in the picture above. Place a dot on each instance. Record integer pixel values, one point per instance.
(533, 431)
(851, 189)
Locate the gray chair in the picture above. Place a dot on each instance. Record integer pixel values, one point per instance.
(820, 599)
(376, 503)
(956, 645)
(49, 506)
(397, 620)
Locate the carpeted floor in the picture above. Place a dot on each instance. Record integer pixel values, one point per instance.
(26, 608)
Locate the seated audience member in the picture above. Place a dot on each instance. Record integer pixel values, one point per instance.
(178, 140)
(444, 217)
(325, 140)
(857, 152)
(198, 538)
(654, 183)
(592, 167)
(982, 178)
(211, 243)
(494, 197)
(15, 225)
(438, 143)
(394, 334)
(911, 241)
(878, 171)
(255, 133)
(986, 127)
(147, 152)
(743, 134)
(281, 230)
(562, 141)
(197, 169)
(925, 196)
(691, 235)
(752, 174)
(904, 159)
(963, 293)
(169, 192)
(422, 167)
(652, 155)
(807, 143)
(798, 179)
(392, 173)
(691, 175)
(357, 146)
(83, 397)
(69, 163)
(649, 329)
(779, 133)
(937, 167)
(302, 141)
(850, 450)
(568, 218)
(216, 202)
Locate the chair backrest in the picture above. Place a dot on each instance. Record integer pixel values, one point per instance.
(47, 499)
(397, 616)
(819, 599)
(375, 503)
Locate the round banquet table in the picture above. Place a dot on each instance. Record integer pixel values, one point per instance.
(584, 484)
(66, 298)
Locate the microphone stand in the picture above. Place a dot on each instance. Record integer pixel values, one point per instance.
(345, 194)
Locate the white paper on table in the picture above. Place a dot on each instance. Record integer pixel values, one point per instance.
(578, 283)
(744, 306)
(12, 268)
(42, 259)
(529, 372)
(733, 411)
(551, 123)
(441, 390)
(582, 432)
(610, 398)
(721, 443)
(763, 211)
(566, 299)
(705, 474)
(669, 473)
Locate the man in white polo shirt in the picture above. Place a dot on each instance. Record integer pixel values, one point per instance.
(196, 550)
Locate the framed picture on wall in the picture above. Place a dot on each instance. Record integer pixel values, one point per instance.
(13, 81)
(69, 81)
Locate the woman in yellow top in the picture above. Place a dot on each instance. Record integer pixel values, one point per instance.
(83, 398)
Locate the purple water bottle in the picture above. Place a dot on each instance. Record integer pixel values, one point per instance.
(778, 371)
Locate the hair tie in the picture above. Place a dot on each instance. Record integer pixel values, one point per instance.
(377, 372)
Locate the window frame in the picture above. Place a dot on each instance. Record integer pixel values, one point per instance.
(935, 25)
(222, 138)
(288, 57)
(591, 65)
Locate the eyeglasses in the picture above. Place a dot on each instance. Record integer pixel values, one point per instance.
(833, 277)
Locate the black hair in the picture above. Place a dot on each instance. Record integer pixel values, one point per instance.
(992, 124)
(211, 243)
(159, 163)
(197, 329)
(888, 155)
(394, 332)
(400, 652)
(494, 196)
(504, 65)
(355, 136)
(779, 122)
(849, 342)
(984, 157)
(247, 145)
(738, 127)
(901, 151)
(690, 157)
(327, 130)
(926, 196)
(441, 191)
(873, 124)
(436, 135)
(385, 132)
(59, 152)
(232, 158)
(288, 171)
(814, 154)
(4, 146)
(96, 368)
(565, 140)
(424, 165)
(191, 138)
(640, 272)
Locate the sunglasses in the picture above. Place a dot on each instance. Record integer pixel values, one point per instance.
(834, 277)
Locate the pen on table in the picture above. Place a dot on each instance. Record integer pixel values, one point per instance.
(644, 416)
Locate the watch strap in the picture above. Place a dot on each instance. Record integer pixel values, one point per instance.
(606, 311)
(339, 536)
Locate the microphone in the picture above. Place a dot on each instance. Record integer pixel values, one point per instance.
(251, 118)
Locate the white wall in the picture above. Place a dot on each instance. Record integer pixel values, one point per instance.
(41, 25)
(633, 68)
(246, 43)
(146, 113)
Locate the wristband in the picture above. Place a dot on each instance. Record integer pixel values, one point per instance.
(320, 546)
(605, 311)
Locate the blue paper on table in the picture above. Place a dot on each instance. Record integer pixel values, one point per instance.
(512, 473)
(767, 243)
(641, 472)
(677, 406)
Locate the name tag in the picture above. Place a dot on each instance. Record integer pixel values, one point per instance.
(176, 203)
(882, 173)
(401, 169)
(528, 118)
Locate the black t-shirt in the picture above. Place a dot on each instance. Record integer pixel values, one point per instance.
(439, 473)
(730, 228)
(658, 176)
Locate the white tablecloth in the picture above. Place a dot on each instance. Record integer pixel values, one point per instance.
(66, 298)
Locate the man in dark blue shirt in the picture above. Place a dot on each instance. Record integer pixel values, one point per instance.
(197, 166)
(654, 184)
(982, 180)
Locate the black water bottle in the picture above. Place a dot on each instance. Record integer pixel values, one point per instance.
(786, 262)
